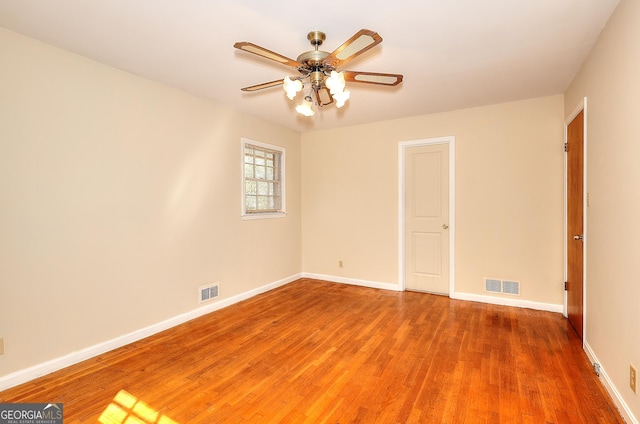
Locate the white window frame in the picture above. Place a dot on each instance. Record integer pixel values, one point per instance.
(283, 198)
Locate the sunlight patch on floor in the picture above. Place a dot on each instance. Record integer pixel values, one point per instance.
(128, 409)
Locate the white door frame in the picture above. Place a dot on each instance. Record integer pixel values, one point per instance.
(582, 106)
(402, 149)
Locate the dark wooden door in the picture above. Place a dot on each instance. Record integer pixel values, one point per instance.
(575, 222)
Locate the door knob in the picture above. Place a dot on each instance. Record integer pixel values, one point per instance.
(578, 237)
(445, 227)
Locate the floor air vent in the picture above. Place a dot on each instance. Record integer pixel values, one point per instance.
(208, 292)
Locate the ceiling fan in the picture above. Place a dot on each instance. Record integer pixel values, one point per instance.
(326, 84)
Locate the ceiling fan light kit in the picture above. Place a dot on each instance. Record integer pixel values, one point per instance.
(318, 70)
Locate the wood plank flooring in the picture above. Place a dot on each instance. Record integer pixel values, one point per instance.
(319, 352)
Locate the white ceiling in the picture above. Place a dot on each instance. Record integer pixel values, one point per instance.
(453, 53)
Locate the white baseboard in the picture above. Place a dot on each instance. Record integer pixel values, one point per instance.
(518, 303)
(353, 281)
(623, 408)
(28, 374)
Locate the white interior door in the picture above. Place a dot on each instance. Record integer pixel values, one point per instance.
(427, 218)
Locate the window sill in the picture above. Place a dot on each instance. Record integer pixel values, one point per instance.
(268, 215)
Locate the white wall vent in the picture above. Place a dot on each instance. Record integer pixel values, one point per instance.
(492, 286)
(511, 287)
(207, 293)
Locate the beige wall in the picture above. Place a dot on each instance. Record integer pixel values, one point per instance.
(508, 195)
(119, 198)
(610, 79)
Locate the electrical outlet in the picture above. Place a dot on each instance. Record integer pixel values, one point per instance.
(341, 264)
(1, 345)
(632, 378)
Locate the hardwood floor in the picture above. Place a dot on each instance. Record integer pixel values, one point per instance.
(319, 352)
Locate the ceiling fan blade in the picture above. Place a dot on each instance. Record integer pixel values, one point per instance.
(372, 77)
(267, 54)
(263, 85)
(323, 96)
(362, 41)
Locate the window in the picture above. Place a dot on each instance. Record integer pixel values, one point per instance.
(263, 191)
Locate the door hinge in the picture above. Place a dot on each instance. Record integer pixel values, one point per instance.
(565, 285)
(565, 147)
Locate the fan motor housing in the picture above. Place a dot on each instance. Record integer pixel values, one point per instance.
(313, 58)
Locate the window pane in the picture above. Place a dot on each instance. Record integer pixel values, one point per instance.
(263, 202)
(260, 161)
(248, 171)
(260, 172)
(270, 174)
(250, 203)
(270, 162)
(248, 158)
(250, 187)
(263, 188)
(276, 188)
(259, 153)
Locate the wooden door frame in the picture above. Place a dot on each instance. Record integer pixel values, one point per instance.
(582, 106)
(402, 150)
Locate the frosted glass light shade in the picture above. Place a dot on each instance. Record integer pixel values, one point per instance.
(341, 98)
(335, 82)
(305, 107)
(291, 87)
